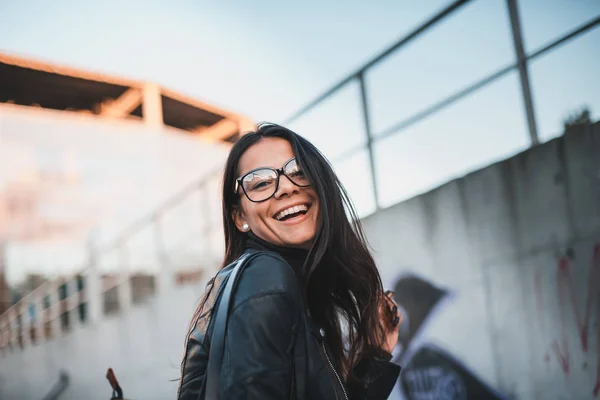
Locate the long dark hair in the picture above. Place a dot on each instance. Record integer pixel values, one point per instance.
(339, 278)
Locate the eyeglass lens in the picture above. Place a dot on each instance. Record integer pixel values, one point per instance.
(262, 183)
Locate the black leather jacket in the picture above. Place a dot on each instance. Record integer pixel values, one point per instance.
(273, 350)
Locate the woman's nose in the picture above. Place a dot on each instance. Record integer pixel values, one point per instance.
(286, 187)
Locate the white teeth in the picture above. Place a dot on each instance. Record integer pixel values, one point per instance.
(291, 210)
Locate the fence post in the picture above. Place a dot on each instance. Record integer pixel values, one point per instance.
(515, 24)
(367, 120)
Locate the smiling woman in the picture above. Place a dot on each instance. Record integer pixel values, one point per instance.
(308, 317)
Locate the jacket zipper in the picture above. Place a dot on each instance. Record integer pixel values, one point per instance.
(333, 369)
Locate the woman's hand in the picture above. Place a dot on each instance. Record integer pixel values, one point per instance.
(390, 320)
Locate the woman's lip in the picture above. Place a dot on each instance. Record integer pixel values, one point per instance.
(295, 220)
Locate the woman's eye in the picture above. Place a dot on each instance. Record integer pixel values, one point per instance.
(261, 185)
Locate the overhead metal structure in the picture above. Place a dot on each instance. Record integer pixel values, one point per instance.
(39, 84)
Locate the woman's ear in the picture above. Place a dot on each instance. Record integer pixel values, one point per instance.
(240, 220)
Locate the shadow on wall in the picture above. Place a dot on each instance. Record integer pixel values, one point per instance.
(428, 371)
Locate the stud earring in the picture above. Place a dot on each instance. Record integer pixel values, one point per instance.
(245, 227)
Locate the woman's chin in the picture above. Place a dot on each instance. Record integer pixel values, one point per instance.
(302, 240)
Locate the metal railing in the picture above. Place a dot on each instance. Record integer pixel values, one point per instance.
(85, 296)
(521, 65)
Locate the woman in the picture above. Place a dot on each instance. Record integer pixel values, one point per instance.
(309, 318)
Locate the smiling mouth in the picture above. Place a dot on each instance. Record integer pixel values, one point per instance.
(292, 212)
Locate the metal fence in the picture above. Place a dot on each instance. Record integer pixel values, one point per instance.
(521, 65)
(108, 282)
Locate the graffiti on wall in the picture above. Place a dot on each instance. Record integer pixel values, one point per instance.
(429, 372)
(571, 315)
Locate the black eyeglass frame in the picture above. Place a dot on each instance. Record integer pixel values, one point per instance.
(278, 172)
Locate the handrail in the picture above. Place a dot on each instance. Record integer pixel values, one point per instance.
(16, 323)
(404, 40)
(166, 205)
(520, 64)
(483, 82)
(127, 232)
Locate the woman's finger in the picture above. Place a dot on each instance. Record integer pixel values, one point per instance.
(393, 307)
(390, 299)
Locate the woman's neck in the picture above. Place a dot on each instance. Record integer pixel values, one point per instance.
(294, 256)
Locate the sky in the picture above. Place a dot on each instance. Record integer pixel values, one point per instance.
(266, 59)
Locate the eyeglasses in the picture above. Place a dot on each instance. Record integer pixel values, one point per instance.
(261, 184)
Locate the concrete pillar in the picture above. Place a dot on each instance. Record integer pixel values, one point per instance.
(54, 310)
(4, 335)
(13, 329)
(152, 105)
(38, 322)
(124, 288)
(25, 324)
(73, 302)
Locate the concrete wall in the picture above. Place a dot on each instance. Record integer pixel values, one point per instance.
(80, 176)
(494, 272)
(499, 275)
(144, 348)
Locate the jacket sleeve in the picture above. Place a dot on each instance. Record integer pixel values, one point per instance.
(258, 358)
(376, 375)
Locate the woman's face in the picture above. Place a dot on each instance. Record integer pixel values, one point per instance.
(266, 219)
